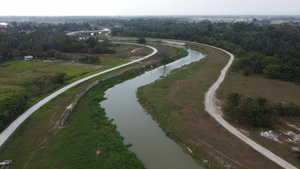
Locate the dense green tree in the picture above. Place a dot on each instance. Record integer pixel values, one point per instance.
(12, 106)
(250, 111)
(273, 71)
(58, 78)
(257, 112)
(142, 40)
(5, 51)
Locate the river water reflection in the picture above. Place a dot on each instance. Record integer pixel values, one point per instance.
(149, 142)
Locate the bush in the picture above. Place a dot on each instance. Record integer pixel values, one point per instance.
(1, 125)
(11, 107)
(287, 110)
(247, 71)
(256, 112)
(90, 59)
(45, 83)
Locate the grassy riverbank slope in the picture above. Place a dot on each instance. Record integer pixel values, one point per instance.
(88, 140)
(177, 103)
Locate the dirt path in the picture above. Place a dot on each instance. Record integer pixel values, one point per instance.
(215, 111)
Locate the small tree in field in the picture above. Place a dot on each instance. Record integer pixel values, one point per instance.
(142, 41)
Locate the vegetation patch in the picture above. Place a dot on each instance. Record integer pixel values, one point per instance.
(282, 105)
(180, 53)
(271, 50)
(177, 103)
(257, 112)
(89, 140)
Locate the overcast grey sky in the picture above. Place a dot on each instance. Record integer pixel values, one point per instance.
(149, 7)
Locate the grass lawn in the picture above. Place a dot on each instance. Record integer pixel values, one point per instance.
(177, 103)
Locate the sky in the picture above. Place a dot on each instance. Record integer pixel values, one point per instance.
(148, 7)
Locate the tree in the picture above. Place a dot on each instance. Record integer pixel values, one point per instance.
(246, 71)
(142, 40)
(256, 112)
(92, 42)
(37, 49)
(5, 51)
(58, 78)
(272, 71)
(57, 55)
(1, 125)
(12, 106)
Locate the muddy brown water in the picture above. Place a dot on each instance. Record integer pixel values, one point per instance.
(149, 142)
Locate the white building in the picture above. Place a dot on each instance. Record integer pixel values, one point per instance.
(3, 24)
(27, 58)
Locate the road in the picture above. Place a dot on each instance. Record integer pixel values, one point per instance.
(215, 112)
(13, 126)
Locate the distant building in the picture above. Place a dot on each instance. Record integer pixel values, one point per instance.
(27, 58)
(3, 24)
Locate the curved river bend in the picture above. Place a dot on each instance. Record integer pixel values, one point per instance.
(149, 142)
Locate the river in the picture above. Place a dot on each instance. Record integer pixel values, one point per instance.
(149, 142)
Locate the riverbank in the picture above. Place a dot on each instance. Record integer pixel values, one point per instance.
(88, 139)
(149, 141)
(180, 112)
(42, 128)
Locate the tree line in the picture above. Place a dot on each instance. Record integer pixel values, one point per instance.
(259, 47)
(45, 40)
